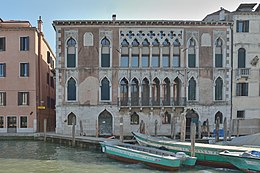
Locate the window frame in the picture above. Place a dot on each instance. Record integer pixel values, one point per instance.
(23, 98)
(22, 123)
(242, 89)
(2, 98)
(24, 69)
(2, 70)
(2, 44)
(24, 43)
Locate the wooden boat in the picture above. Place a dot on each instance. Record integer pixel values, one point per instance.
(146, 155)
(207, 154)
(248, 161)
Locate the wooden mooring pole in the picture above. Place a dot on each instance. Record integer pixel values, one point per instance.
(45, 128)
(217, 130)
(155, 127)
(73, 132)
(121, 129)
(183, 128)
(225, 129)
(193, 138)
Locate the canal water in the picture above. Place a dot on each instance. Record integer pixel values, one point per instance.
(40, 157)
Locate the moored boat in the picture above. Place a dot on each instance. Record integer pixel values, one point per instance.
(207, 154)
(248, 161)
(146, 155)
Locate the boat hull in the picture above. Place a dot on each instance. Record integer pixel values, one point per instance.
(245, 164)
(206, 154)
(131, 156)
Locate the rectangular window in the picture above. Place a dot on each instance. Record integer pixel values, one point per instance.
(48, 78)
(218, 60)
(155, 61)
(240, 114)
(23, 122)
(24, 43)
(2, 69)
(24, 69)
(166, 61)
(176, 61)
(191, 60)
(48, 102)
(2, 44)
(124, 61)
(135, 61)
(23, 98)
(242, 25)
(105, 60)
(2, 98)
(242, 89)
(145, 61)
(1, 122)
(52, 82)
(48, 57)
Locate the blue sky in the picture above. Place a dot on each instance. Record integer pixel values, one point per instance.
(103, 9)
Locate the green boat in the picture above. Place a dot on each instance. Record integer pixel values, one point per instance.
(150, 156)
(246, 161)
(207, 154)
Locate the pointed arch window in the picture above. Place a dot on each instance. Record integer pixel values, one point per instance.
(71, 119)
(176, 53)
(135, 92)
(105, 52)
(124, 92)
(219, 89)
(166, 53)
(220, 116)
(145, 92)
(218, 53)
(241, 58)
(134, 119)
(71, 53)
(156, 54)
(192, 89)
(71, 90)
(166, 118)
(192, 54)
(166, 92)
(156, 92)
(177, 91)
(145, 53)
(105, 89)
(135, 55)
(124, 54)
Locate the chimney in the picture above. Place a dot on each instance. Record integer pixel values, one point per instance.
(40, 24)
(114, 17)
(222, 14)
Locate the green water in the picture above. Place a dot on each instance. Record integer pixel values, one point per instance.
(40, 157)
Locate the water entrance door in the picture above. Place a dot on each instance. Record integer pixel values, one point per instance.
(11, 125)
(105, 123)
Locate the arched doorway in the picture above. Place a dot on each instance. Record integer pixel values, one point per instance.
(105, 123)
(191, 117)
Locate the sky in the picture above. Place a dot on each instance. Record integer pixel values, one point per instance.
(51, 10)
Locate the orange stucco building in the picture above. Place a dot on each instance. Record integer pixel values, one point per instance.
(27, 78)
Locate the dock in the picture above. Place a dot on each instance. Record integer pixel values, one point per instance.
(80, 141)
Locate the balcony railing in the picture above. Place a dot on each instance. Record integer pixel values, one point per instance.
(139, 102)
(242, 72)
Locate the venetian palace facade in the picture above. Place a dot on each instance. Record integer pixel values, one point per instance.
(141, 71)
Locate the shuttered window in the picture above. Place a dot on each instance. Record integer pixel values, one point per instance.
(242, 89)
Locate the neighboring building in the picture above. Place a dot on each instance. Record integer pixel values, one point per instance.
(27, 82)
(142, 71)
(246, 66)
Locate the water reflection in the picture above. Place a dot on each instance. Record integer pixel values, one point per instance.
(40, 157)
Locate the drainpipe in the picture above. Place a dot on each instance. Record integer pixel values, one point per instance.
(231, 98)
(39, 34)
